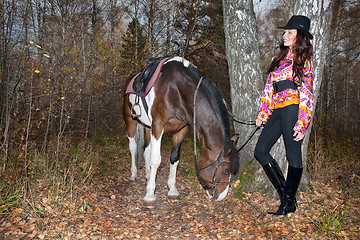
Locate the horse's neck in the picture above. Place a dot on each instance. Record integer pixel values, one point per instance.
(212, 139)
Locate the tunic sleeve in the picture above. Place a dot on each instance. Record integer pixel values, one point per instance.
(306, 99)
(265, 109)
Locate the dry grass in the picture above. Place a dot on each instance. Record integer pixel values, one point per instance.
(334, 158)
(332, 165)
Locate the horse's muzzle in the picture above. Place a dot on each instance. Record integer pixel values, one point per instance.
(215, 196)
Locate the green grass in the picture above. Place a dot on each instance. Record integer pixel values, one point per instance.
(10, 194)
(330, 223)
(246, 176)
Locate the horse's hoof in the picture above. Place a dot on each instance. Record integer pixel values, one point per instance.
(174, 197)
(149, 204)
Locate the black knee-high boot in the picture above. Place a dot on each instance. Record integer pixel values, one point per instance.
(274, 173)
(288, 204)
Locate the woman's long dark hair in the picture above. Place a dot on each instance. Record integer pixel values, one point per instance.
(302, 49)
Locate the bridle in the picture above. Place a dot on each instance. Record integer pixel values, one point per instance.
(218, 161)
(212, 184)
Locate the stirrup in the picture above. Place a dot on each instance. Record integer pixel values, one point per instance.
(134, 113)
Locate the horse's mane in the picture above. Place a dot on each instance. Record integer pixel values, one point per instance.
(217, 101)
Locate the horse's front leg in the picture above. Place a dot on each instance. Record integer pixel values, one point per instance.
(174, 161)
(173, 192)
(155, 160)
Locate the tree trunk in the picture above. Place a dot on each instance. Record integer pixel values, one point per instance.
(4, 90)
(245, 71)
(139, 137)
(320, 13)
(46, 135)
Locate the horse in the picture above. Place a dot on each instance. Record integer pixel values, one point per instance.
(169, 107)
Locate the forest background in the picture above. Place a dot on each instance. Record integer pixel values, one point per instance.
(64, 64)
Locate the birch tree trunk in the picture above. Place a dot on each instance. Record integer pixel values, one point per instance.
(246, 84)
(320, 14)
(140, 134)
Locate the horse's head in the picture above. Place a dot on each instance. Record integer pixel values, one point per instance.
(215, 173)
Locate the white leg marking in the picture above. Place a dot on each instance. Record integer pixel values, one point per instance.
(155, 160)
(147, 155)
(132, 147)
(173, 192)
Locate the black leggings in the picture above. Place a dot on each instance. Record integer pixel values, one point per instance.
(281, 121)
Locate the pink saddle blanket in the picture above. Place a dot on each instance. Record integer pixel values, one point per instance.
(151, 83)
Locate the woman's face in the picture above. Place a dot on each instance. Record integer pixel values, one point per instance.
(289, 37)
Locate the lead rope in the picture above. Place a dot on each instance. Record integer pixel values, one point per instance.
(251, 135)
(234, 118)
(194, 125)
(232, 115)
(239, 120)
(244, 122)
(194, 120)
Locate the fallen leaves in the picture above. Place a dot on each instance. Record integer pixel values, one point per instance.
(114, 209)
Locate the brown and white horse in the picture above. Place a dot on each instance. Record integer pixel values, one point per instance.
(170, 104)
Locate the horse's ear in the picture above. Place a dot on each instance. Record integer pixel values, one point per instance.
(234, 138)
(231, 144)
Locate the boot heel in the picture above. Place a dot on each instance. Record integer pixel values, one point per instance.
(288, 204)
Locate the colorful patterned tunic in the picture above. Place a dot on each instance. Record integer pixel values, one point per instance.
(302, 96)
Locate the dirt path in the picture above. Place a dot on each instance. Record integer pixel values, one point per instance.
(114, 210)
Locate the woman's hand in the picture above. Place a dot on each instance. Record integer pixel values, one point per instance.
(258, 122)
(298, 136)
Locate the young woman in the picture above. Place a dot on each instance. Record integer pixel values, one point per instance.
(286, 108)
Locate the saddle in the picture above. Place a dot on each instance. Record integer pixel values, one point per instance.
(141, 84)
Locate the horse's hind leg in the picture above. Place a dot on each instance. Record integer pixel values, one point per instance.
(155, 160)
(131, 126)
(133, 148)
(174, 161)
(131, 131)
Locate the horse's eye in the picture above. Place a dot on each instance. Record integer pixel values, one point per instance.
(226, 172)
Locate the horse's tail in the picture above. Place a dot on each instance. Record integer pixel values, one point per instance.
(139, 138)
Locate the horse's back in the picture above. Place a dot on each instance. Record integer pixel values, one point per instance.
(174, 93)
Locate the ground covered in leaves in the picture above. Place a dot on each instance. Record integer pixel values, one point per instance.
(112, 208)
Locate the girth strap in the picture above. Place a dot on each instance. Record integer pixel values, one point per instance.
(145, 105)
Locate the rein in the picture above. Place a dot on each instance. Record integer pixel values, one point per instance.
(240, 121)
(217, 162)
(205, 182)
(251, 135)
(219, 158)
(244, 122)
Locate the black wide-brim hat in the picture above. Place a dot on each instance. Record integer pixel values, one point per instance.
(299, 22)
